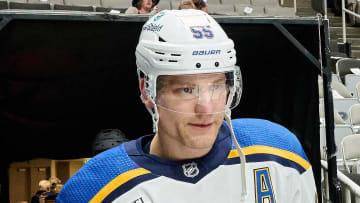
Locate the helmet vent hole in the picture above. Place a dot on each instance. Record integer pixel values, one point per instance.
(161, 60)
(198, 65)
(175, 54)
(217, 64)
(161, 39)
(173, 61)
(229, 52)
(159, 53)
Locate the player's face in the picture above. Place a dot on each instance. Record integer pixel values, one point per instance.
(191, 108)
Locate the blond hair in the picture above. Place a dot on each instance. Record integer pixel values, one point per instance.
(44, 185)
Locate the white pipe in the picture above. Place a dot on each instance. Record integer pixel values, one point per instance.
(295, 6)
(326, 179)
(343, 20)
(354, 14)
(347, 195)
(325, 9)
(344, 179)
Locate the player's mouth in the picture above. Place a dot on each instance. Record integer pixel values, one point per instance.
(201, 126)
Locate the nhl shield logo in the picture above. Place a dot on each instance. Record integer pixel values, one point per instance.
(190, 169)
(140, 200)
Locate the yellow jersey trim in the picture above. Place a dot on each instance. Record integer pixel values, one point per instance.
(259, 149)
(116, 182)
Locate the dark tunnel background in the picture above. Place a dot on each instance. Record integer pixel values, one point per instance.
(61, 81)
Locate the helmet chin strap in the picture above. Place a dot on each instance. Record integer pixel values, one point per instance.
(241, 155)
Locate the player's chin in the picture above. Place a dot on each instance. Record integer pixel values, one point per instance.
(203, 134)
(204, 141)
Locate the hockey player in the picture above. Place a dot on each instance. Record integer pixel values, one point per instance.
(189, 82)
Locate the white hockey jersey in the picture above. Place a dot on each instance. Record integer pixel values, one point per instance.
(277, 170)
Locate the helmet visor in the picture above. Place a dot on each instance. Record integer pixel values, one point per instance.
(207, 93)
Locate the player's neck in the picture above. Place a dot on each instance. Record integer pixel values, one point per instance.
(170, 149)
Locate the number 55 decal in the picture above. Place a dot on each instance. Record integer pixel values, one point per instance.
(200, 32)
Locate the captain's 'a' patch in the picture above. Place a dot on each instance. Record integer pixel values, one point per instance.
(264, 192)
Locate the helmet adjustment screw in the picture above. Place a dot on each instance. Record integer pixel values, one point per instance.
(198, 65)
(216, 64)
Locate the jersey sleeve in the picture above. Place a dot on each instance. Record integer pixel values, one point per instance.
(258, 132)
(95, 175)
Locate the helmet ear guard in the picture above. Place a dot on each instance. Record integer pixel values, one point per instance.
(238, 85)
(148, 78)
(150, 94)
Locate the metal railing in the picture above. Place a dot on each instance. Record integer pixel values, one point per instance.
(344, 10)
(349, 186)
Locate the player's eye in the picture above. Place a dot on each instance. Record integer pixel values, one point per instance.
(188, 90)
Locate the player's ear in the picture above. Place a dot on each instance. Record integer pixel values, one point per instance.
(148, 103)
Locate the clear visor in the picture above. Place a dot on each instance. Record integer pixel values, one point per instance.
(209, 93)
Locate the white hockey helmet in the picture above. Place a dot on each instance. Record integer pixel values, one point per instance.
(185, 42)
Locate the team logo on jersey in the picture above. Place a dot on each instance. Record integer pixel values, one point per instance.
(140, 200)
(190, 169)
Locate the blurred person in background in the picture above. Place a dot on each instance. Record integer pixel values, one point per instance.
(43, 192)
(54, 181)
(58, 188)
(187, 4)
(143, 7)
(194, 4)
(201, 5)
